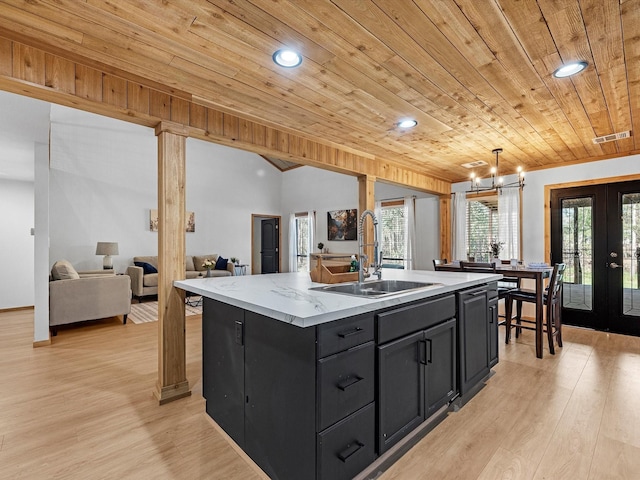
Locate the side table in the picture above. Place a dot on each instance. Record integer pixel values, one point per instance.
(241, 269)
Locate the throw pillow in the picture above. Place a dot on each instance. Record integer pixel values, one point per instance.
(63, 270)
(221, 263)
(146, 267)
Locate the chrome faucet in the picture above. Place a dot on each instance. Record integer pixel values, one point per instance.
(363, 259)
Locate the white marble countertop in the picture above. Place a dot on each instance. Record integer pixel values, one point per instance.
(286, 296)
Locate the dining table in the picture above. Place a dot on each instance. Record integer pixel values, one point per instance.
(537, 273)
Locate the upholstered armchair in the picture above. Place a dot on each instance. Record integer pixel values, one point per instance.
(76, 297)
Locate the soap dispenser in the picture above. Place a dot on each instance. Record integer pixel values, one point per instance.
(354, 264)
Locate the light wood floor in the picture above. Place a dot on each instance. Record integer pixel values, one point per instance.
(83, 408)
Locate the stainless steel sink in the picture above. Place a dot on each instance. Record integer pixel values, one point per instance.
(376, 288)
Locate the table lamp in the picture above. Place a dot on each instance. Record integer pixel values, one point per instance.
(107, 249)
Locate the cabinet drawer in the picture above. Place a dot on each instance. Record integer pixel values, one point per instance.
(347, 448)
(345, 383)
(334, 337)
(405, 320)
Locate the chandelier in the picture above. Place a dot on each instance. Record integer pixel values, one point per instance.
(497, 182)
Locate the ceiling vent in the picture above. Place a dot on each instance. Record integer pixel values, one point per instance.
(611, 137)
(477, 163)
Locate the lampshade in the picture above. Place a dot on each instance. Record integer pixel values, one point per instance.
(107, 248)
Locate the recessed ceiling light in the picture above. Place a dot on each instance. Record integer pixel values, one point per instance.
(408, 123)
(569, 69)
(287, 58)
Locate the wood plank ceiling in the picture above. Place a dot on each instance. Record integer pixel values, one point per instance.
(475, 74)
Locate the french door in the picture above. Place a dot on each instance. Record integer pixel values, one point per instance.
(595, 231)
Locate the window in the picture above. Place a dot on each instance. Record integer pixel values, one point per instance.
(393, 235)
(302, 242)
(482, 226)
(492, 218)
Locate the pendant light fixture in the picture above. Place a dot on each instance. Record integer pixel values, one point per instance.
(497, 182)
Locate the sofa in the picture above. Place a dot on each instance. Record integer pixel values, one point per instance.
(144, 272)
(79, 296)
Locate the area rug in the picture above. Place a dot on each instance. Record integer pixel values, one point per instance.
(148, 311)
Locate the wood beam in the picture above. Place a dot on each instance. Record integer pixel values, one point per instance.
(172, 371)
(445, 227)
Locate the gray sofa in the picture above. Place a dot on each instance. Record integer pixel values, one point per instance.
(143, 284)
(79, 296)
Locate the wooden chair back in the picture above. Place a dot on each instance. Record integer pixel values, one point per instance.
(439, 261)
(471, 266)
(555, 283)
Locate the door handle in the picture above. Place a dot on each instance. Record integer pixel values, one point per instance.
(614, 265)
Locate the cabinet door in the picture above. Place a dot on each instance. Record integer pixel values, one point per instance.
(473, 337)
(493, 332)
(400, 389)
(440, 365)
(223, 366)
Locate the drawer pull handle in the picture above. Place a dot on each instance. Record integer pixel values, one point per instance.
(475, 294)
(422, 345)
(349, 382)
(348, 333)
(348, 452)
(425, 351)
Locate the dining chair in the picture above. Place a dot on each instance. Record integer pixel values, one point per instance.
(439, 261)
(505, 285)
(552, 301)
(471, 266)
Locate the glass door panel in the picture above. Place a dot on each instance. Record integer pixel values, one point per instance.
(578, 221)
(577, 252)
(630, 254)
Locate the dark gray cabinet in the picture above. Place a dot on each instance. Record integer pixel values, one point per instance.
(477, 335)
(223, 367)
(323, 402)
(345, 397)
(417, 371)
(296, 415)
(440, 366)
(401, 389)
(280, 406)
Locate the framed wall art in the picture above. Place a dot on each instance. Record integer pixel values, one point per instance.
(153, 221)
(342, 224)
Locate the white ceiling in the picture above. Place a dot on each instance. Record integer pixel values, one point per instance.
(23, 122)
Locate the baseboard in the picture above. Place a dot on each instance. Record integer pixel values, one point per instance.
(16, 309)
(42, 343)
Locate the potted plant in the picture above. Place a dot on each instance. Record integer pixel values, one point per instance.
(495, 247)
(320, 246)
(234, 260)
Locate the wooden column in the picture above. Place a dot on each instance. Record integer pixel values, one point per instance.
(366, 201)
(445, 227)
(172, 379)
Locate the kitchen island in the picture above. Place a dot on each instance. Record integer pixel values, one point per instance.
(317, 385)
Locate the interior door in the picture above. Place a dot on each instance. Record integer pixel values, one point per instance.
(269, 245)
(595, 231)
